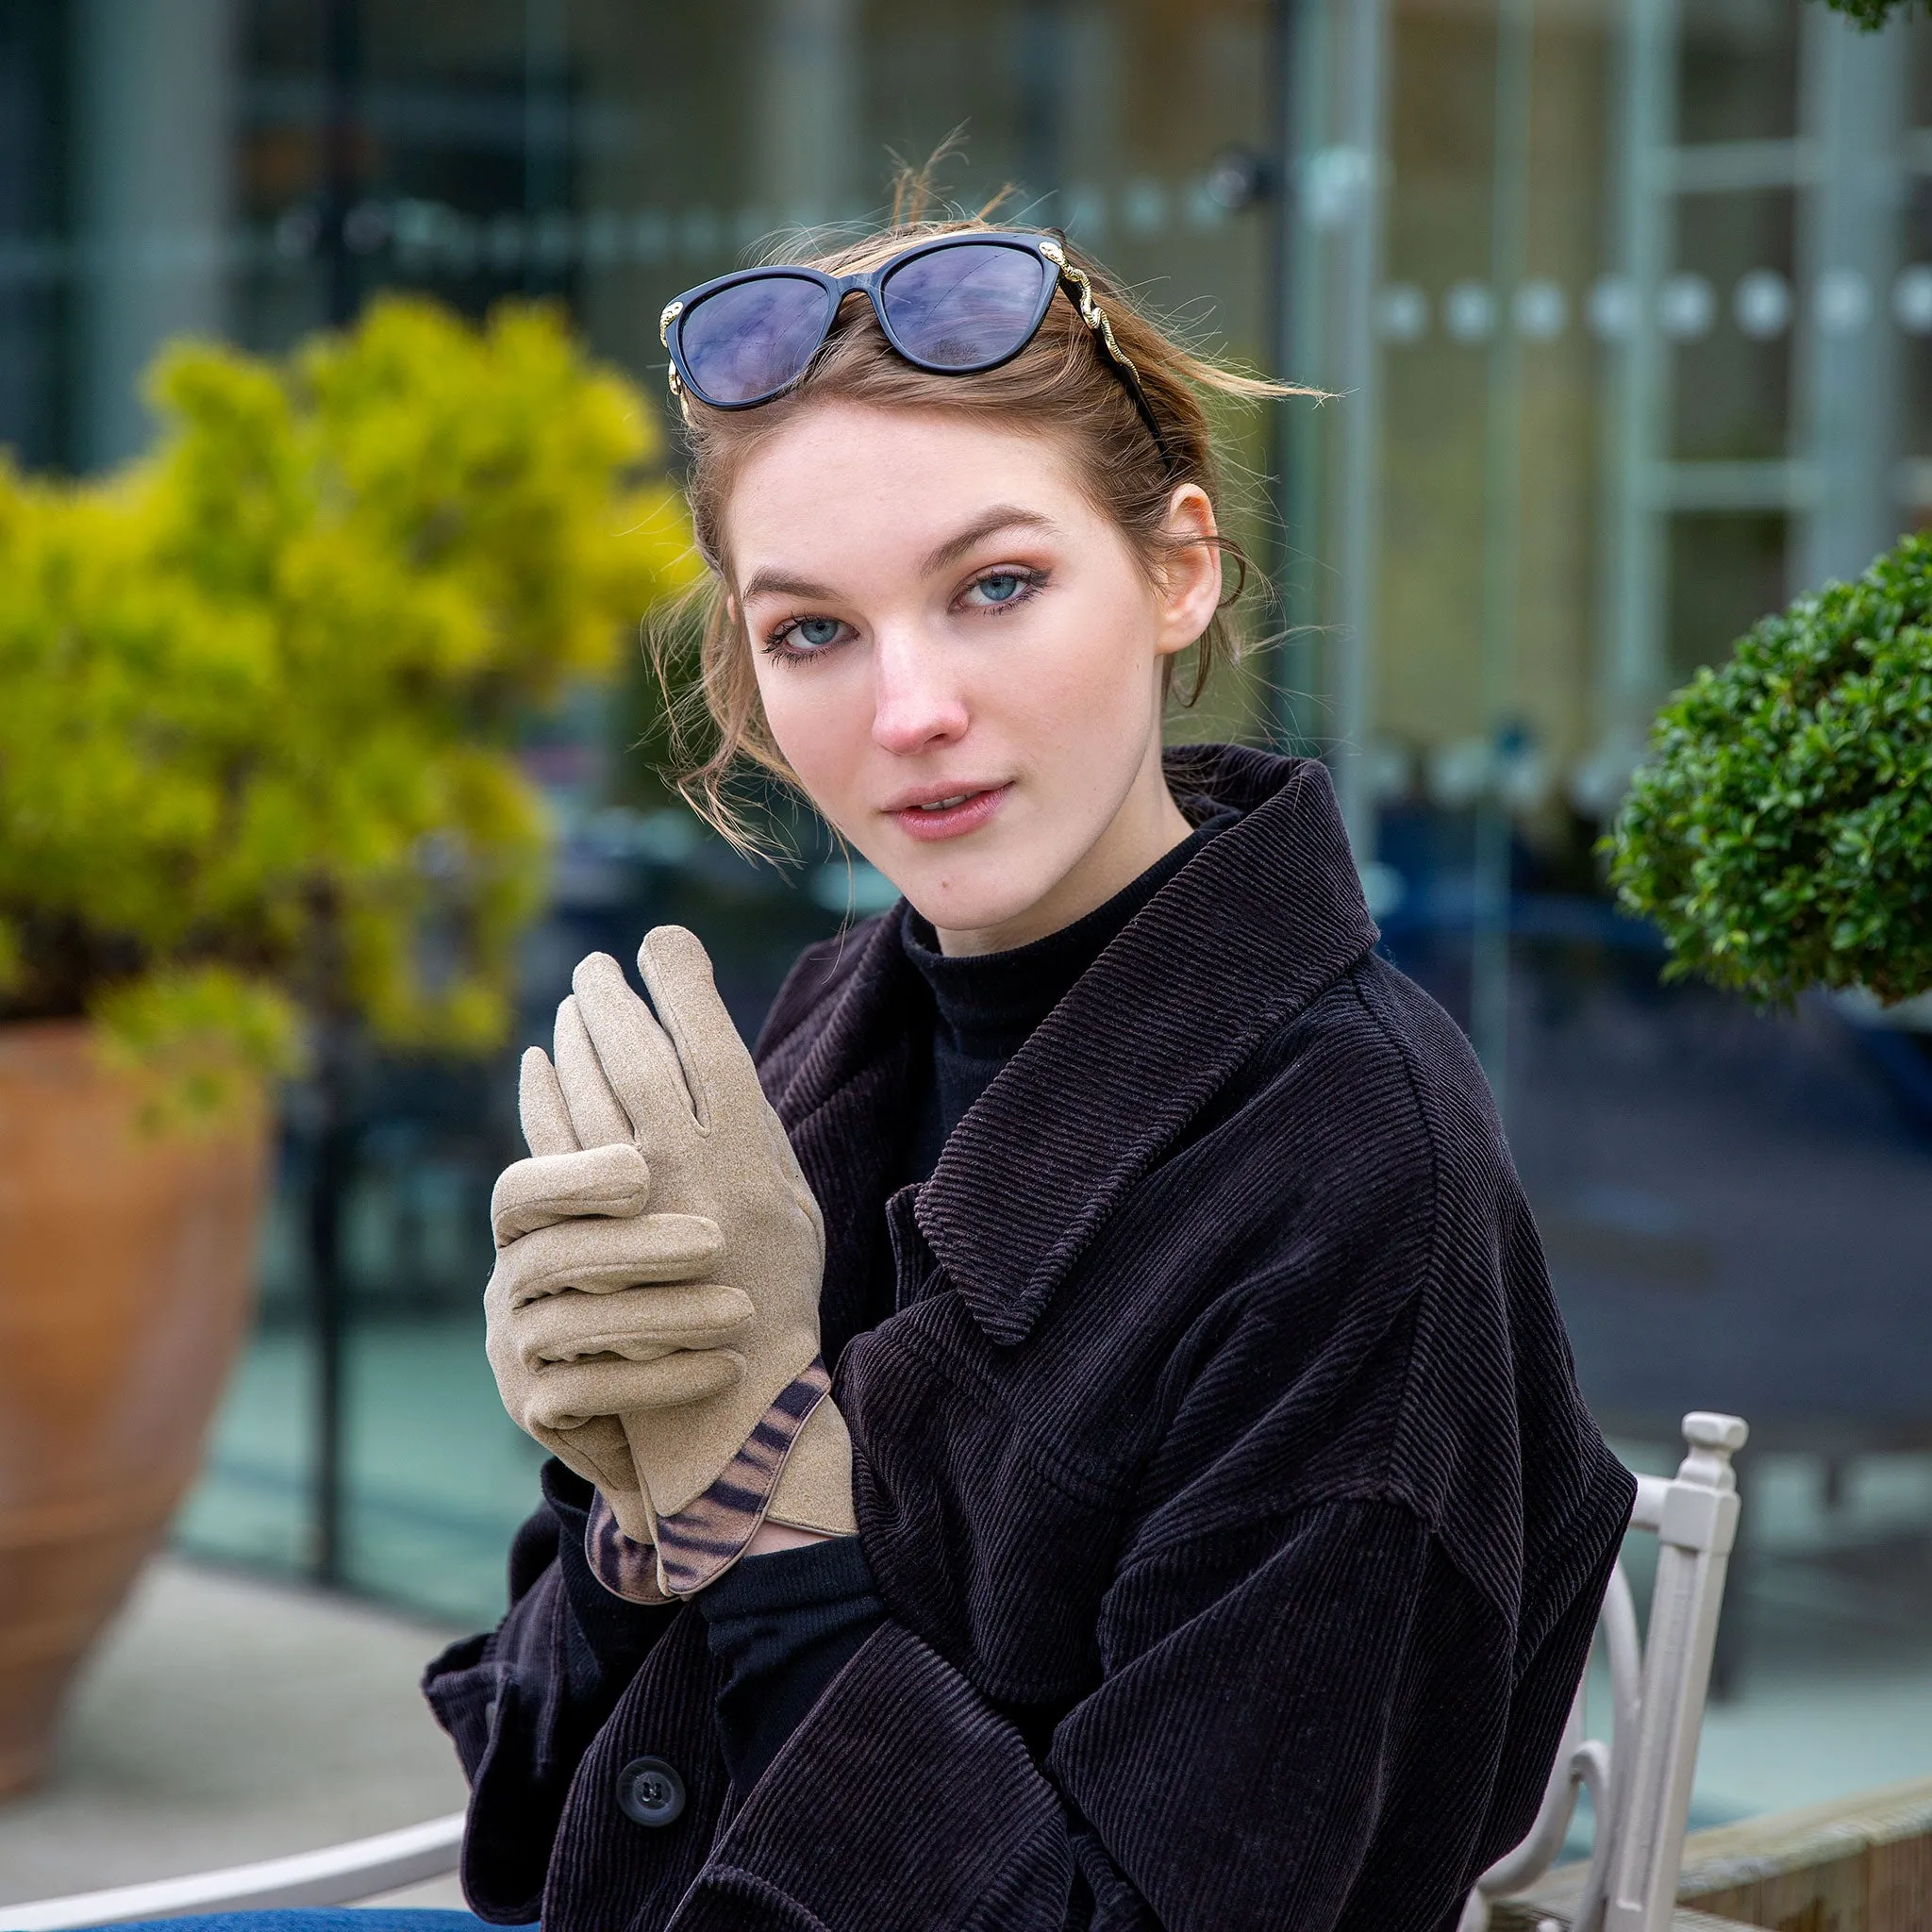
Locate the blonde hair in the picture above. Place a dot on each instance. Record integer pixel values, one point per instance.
(1063, 388)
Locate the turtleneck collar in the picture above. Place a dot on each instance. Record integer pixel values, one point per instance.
(987, 1005)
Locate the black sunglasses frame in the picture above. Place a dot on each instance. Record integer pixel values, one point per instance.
(1047, 249)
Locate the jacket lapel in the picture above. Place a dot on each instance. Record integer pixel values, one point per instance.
(1241, 941)
(1243, 938)
(846, 1109)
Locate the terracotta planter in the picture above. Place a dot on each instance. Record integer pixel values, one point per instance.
(125, 1270)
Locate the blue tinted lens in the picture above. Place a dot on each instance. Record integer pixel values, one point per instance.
(964, 308)
(747, 342)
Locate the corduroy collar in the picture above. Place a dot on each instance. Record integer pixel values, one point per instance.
(1236, 943)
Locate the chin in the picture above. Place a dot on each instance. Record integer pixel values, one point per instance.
(970, 903)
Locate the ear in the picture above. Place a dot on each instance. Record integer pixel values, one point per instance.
(1190, 587)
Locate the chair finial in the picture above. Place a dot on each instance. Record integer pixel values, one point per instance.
(1705, 1428)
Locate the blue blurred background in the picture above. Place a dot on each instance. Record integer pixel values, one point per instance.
(1626, 310)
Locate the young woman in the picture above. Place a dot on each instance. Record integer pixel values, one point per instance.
(1198, 1525)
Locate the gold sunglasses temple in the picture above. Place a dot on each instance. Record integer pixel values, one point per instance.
(1090, 312)
(1082, 289)
(671, 312)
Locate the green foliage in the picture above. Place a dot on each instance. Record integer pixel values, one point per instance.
(262, 689)
(1780, 831)
(1871, 14)
(200, 1039)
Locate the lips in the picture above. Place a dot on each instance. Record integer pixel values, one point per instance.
(950, 814)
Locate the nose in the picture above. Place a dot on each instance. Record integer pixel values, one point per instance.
(917, 702)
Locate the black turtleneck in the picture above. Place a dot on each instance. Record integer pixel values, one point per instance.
(783, 1626)
(986, 1004)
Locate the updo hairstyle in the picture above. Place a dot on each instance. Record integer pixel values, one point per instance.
(1062, 388)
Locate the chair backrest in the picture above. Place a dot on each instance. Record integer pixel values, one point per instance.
(1640, 1780)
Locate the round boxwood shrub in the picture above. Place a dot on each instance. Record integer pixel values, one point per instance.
(1872, 14)
(1779, 833)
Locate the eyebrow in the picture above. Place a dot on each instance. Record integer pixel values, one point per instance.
(774, 583)
(1002, 516)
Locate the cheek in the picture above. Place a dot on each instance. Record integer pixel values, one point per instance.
(1089, 687)
(819, 723)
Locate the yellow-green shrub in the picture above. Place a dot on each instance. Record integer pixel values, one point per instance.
(259, 692)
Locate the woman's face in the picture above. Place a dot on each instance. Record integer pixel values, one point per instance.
(961, 658)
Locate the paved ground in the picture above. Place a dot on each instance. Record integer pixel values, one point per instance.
(226, 1720)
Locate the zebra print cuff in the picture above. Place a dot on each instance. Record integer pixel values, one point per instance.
(697, 1545)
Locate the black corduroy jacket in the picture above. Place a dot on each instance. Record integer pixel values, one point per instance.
(1223, 1468)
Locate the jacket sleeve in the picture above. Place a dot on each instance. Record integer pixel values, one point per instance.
(521, 1701)
(1310, 1741)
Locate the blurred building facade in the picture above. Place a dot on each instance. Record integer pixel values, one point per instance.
(1624, 311)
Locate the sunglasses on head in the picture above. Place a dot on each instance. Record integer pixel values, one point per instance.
(954, 305)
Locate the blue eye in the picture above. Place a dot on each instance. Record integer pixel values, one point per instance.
(1001, 590)
(800, 638)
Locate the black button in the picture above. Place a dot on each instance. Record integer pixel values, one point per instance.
(650, 1792)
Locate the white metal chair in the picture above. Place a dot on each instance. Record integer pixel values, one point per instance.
(1640, 1782)
(343, 1875)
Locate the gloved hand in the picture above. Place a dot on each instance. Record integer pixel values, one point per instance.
(572, 1335)
(719, 1373)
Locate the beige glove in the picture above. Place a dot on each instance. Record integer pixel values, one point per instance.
(571, 1333)
(684, 1377)
(687, 1096)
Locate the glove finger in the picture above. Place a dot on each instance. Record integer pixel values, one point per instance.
(541, 1103)
(599, 1256)
(567, 1393)
(594, 1110)
(639, 1061)
(717, 1065)
(637, 1324)
(598, 1449)
(549, 1188)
